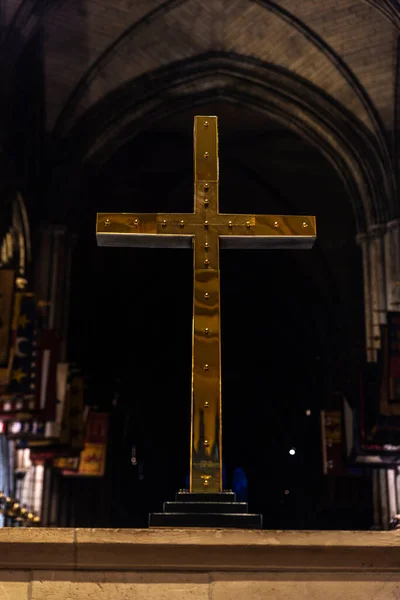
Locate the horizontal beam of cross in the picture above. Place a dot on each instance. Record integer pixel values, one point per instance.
(177, 230)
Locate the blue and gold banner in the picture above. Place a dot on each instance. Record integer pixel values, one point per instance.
(24, 365)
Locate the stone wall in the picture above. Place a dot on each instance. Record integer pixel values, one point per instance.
(69, 564)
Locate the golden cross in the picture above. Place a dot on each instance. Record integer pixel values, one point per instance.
(205, 230)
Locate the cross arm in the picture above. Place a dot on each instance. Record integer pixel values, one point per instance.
(151, 230)
(267, 231)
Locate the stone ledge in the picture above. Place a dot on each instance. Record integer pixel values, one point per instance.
(37, 548)
(198, 550)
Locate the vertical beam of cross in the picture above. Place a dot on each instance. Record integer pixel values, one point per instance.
(206, 434)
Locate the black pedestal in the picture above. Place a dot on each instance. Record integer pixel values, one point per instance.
(206, 510)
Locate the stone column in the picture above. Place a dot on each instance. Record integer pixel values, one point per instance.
(363, 241)
(376, 499)
(392, 271)
(392, 492)
(384, 498)
(377, 283)
(373, 247)
(377, 250)
(392, 254)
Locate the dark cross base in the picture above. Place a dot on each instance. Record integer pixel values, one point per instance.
(219, 510)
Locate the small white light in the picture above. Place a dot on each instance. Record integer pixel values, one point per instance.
(292, 451)
(15, 427)
(308, 412)
(287, 492)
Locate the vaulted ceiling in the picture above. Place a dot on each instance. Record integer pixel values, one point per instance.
(347, 48)
(110, 67)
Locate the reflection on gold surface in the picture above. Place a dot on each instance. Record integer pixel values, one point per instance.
(205, 230)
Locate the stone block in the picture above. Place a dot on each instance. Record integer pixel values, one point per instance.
(36, 548)
(304, 586)
(14, 585)
(72, 585)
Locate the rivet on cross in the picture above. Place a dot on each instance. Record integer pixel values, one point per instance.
(205, 230)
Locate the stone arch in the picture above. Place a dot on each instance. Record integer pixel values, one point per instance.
(268, 32)
(347, 143)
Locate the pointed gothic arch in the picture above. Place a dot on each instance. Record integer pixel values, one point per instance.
(283, 97)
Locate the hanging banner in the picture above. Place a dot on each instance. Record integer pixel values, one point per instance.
(18, 383)
(53, 428)
(333, 443)
(93, 455)
(18, 397)
(31, 395)
(393, 349)
(369, 398)
(69, 413)
(46, 390)
(76, 408)
(92, 462)
(24, 364)
(380, 394)
(7, 281)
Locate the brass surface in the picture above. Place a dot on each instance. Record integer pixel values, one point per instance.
(205, 230)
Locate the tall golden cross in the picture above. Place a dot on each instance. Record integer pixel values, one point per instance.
(205, 230)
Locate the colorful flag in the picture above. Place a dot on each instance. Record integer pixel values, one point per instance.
(93, 455)
(380, 406)
(92, 461)
(24, 364)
